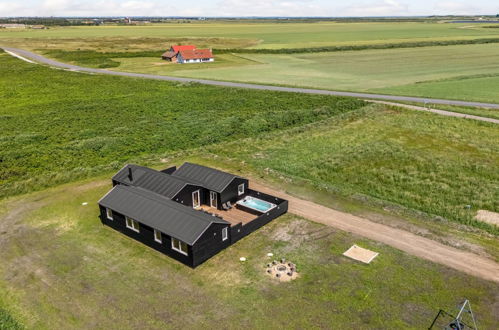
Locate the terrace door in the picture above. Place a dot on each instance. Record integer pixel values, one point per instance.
(213, 199)
(196, 200)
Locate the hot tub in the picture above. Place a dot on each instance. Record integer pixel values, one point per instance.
(256, 204)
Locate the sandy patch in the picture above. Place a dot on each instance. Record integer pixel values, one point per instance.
(488, 217)
(282, 271)
(357, 253)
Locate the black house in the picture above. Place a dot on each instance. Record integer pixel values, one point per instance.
(190, 213)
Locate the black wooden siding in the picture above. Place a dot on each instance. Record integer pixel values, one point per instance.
(184, 196)
(210, 243)
(146, 236)
(229, 194)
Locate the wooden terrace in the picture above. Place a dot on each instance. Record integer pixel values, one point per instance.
(234, 215)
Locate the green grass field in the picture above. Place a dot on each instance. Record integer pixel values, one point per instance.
(438, 71)
(452, 72)
(59, 125)
(273, 35)
(62, 269)
(468, 88)
(397, 71)
(417, 171)
(429, 163)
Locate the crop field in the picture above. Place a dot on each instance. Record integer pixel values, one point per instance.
(465, 72)
(274, 35)
(372, 71)
(62, 269)
(433, 164)
(60, 125)
(469, 88)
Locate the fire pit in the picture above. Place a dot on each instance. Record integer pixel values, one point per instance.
(282, 270)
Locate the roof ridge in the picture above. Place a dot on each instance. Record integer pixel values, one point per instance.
(167, 201)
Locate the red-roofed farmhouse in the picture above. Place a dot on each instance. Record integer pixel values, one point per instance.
(196, 55)
(188, 54)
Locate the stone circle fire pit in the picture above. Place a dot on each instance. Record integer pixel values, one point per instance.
(282, 270)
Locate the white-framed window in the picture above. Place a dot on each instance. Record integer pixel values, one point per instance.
(109, 213)
(132, 224)
(225, 234)
(240, 189)
(157, 236)
(179, 246)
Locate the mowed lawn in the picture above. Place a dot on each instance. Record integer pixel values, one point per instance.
(370, 70)
(62, 269)
(273, 35)
(58, 126)
(153, 65)
(434, 164)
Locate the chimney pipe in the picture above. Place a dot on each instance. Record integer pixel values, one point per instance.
(130, 176)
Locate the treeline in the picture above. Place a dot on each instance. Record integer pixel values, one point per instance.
(357, 47)
(48, 21)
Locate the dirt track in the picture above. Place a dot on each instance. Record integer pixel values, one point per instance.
(413, 244)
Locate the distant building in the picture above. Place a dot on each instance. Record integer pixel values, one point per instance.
(38, 27)
(13, 26)
(188, 54)
(195, 56)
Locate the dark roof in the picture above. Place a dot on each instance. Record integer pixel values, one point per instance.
(147, 178)
(158, 212)
(207, 177)
(196, 54)
(169, 54)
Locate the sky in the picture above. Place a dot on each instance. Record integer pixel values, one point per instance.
(209, 8)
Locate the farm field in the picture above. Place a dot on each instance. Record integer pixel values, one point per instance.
(452, 72)
(62, 268)
(88, 123)
(274, 35)
(433, 164)
(396, 71)
(466, 88)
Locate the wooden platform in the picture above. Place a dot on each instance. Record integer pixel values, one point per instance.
(234, 215)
